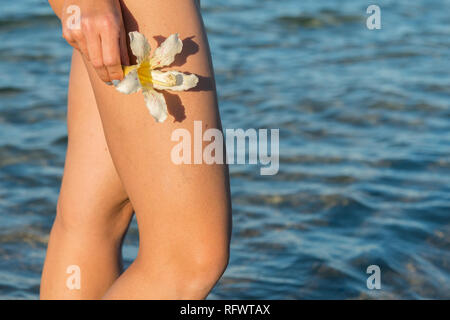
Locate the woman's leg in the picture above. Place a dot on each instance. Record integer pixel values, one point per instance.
(93, 211)
(183, 211)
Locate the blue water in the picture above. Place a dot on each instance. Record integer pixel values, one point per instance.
(364, 123)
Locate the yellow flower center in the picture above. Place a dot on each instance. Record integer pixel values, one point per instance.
(145, 74)
(144, 71)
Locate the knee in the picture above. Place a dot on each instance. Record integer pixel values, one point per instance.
(208, 265)
(191, 275)
(75, 217)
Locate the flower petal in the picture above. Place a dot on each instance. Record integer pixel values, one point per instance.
(165, 54)
(139, 46)
(182, 81)
(156, 104)
(129, 84)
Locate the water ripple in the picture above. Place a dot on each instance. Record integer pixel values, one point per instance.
(364, 147)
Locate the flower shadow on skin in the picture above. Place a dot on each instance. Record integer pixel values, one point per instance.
(190, 47)
(173, 102)
(175, 106)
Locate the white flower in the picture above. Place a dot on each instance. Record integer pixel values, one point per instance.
(144, 76)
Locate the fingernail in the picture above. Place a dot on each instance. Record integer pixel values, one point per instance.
(109, 83)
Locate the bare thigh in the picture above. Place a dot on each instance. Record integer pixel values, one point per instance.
(93, 208)
(183, 211)
(91, 186)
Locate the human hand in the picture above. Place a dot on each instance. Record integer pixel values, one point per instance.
(100, 35)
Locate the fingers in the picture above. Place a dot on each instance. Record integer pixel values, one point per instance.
(76, 38)
(96, 56)
(111, 54)
(70, 40)
(80, 41)
(101, 38)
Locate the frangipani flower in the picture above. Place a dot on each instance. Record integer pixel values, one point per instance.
(144, 76)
